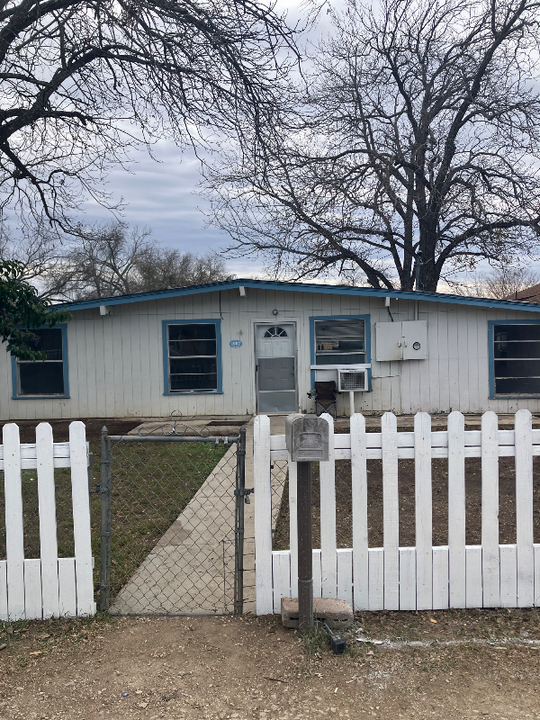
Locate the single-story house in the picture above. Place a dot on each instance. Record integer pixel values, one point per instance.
(251, 346)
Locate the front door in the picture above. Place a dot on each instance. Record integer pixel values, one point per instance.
(275, 358)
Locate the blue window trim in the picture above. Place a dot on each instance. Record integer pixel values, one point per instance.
(314, 319)
(491, 351)
(180, 321)
(65, 396)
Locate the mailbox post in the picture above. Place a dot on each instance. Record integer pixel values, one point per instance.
(306, 438)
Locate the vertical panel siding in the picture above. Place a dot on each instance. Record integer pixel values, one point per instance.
(116, 361)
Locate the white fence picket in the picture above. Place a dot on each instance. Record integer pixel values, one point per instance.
(490, 511)
(508, 569)
(537, 575)
(376, 579)
(47, 519)
(263, 514)
(420, 577)
(81, 519)
(390, 511)
(3, 591)
(524, 509)
(473, 576)
(14, 522)
(317, 574)
(407, 578)
(33, 602)
(456, 509)
(281, 569)
(293, 524)
(327, 479)
(67, 587)
(423, 511)
(440, 578)
(345, 575)
(359, 511)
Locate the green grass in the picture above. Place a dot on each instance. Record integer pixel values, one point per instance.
(151, 486)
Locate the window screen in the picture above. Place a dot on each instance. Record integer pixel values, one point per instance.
(192, 357)
(516, 359)
(340, 342)
(43, 377)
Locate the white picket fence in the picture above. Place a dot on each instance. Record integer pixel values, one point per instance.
(406, 578)
(48, 586)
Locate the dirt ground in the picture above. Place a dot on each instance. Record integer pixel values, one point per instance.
(220, 668)
(61, 428)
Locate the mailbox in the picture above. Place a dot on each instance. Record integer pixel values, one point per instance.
(306, 437)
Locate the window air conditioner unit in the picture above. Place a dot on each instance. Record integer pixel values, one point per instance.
(352, 380)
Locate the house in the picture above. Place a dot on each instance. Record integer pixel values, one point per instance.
(530, 294)
(251, 346)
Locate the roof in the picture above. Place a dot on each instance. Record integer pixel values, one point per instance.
(531, 295)
(305, 288)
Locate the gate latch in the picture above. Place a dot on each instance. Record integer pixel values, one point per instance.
(246, 492)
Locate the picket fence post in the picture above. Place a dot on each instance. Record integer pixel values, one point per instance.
(263, 515)
(359, 511)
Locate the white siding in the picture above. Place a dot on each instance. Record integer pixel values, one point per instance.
(116, 361)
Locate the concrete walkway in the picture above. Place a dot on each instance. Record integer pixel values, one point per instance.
(191, 567)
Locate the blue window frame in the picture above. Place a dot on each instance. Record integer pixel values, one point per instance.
(47, 378)
(514, 358)
(339, 341)
(192, 357)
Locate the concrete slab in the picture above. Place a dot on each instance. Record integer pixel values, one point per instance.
(337, 614)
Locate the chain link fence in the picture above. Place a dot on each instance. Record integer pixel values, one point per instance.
(172, 524)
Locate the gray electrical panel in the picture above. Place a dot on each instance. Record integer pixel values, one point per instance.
(306, 438)
(406, 340)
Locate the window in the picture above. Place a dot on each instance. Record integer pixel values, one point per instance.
(340, 341)
(43, 378)
(275, 332)
(192, 356)
(515, 367)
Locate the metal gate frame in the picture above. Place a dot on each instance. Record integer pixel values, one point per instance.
(240, 493)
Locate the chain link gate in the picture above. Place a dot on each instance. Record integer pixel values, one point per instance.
(172, 524)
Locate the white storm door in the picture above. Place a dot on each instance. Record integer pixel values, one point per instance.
(275, 358)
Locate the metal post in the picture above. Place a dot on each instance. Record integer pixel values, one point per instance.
(305, 543)
(240, 496)
(105, 490)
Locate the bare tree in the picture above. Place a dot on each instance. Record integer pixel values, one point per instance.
(413, 154)
(83, 81)
(504, 283)
(110, 260)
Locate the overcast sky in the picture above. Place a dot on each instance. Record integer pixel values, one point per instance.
(163, 195)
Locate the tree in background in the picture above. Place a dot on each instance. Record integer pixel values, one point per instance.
(84, 81)
(21, 310)
(112, 260)
(411, 154)
(503, 283)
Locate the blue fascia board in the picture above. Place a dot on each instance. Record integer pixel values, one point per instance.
(304, 288)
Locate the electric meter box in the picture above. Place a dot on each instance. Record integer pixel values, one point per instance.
(405, 340)
(306, 438)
